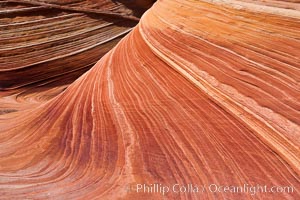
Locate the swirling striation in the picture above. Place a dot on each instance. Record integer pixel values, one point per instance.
(199, 92)
(46, 45)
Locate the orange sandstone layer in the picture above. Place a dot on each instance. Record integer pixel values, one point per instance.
(46, 45)
(198, 93)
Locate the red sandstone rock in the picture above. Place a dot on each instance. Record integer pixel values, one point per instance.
(46, 45)
(199, 93)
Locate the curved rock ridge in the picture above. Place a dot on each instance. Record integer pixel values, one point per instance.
(43, 44)
(198, 93)
(46, 45)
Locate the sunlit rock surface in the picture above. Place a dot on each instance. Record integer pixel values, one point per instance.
(200, 92)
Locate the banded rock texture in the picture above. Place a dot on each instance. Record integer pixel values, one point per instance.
(46, 45)
(199, 92)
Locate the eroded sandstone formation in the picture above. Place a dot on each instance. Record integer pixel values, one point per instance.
(46, 45)
(199, 92)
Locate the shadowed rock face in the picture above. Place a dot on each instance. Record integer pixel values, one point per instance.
(46, 45)
(199, 92)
